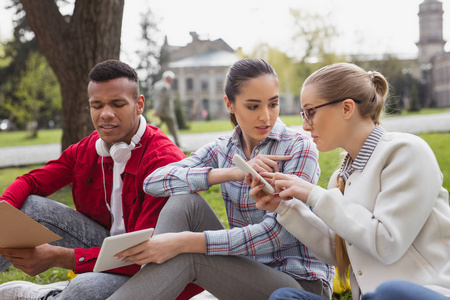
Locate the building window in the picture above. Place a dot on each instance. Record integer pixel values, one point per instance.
(189, 84)
(219, 83)
(204, 83)
(175, 84)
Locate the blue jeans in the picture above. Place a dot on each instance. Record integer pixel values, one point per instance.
(389, 290)
(293, 294)
(77, 231)
(399, 290)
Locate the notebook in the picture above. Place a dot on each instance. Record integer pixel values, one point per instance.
(17, 230)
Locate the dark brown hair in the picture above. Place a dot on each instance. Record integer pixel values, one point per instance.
(113, 69)
(241, 72)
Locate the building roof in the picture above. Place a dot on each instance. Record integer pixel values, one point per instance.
(206, 59)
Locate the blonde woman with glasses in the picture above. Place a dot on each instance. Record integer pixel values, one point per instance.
(385, 217)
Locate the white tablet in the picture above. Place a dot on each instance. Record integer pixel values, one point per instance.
(117, 243)
(246, 168)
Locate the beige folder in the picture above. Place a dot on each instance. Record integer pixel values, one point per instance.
(17, 230)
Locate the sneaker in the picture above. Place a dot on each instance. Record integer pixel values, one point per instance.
(25, 290)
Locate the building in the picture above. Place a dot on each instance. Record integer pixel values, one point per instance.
(434, 62)
(200, 68)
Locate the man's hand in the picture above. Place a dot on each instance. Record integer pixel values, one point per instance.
(34, 261)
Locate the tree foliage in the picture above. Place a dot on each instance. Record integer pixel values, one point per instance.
(13, 57)
(149, 54)
(405, 90)
(310, 49)
(38, 95)
(73, 44)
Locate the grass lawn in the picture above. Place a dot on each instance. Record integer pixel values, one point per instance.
(328, 161)
(50, 136)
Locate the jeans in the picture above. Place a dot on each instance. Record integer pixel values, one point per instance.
(389, 290)
(402, 290)
(293, 294)
(77, 231)
(226, 277)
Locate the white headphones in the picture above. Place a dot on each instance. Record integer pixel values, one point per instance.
(121, 152)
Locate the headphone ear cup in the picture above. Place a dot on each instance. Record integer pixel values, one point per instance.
(120, 152)
(101, 149)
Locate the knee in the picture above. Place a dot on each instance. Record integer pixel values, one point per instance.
(40, 208)
(390, 290)
(32, 206)
(284, 293)
(183, 203)
(94, 286)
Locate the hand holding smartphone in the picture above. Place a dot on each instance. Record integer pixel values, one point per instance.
(246, 168)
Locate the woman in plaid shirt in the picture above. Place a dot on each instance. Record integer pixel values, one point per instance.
(256, 255)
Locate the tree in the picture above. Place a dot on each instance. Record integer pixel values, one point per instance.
(14, 55)
(38, 94)
(73, 45)
(403, 87)
(149, 54)
(310, 49)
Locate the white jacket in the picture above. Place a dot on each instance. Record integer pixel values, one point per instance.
(394, 215)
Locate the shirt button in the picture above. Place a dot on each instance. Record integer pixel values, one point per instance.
(359, 273)
(349, 183)
(256, 151)
(81, 259)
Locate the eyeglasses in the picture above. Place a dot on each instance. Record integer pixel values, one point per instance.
(306, 113)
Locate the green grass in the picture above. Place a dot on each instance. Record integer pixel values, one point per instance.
(328, 161)
(21, 138)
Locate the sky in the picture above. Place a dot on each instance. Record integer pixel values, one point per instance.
(363, 26)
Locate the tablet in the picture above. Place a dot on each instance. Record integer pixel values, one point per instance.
(246, 168)
(117, 243)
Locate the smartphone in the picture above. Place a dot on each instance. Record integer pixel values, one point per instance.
(246, 168)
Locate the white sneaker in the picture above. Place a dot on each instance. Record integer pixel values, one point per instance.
(25, 290)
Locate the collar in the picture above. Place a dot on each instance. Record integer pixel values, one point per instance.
(275, 134)
(132, 164)
(360, 162)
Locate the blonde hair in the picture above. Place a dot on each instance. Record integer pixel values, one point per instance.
(370, 90)
(346, 80)
(341, 255)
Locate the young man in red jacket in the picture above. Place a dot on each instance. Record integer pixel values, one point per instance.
(106, 170)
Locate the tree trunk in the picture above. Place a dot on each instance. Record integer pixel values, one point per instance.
(72, 46)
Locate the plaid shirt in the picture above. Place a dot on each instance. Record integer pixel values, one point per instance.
(254, 233)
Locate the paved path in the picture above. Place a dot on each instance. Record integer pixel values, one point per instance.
(26, 155)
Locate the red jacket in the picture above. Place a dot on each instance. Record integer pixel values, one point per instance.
(80, 165)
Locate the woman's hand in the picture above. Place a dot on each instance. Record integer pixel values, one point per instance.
(263, 201)
(162, 247)
(289, 186)
(267, 163)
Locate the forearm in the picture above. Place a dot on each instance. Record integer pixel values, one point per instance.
(253, 239)
(192, 242)
(64, 258)
(217, 176)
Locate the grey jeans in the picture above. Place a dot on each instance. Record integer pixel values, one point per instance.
(226, 277)
(77, 231)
